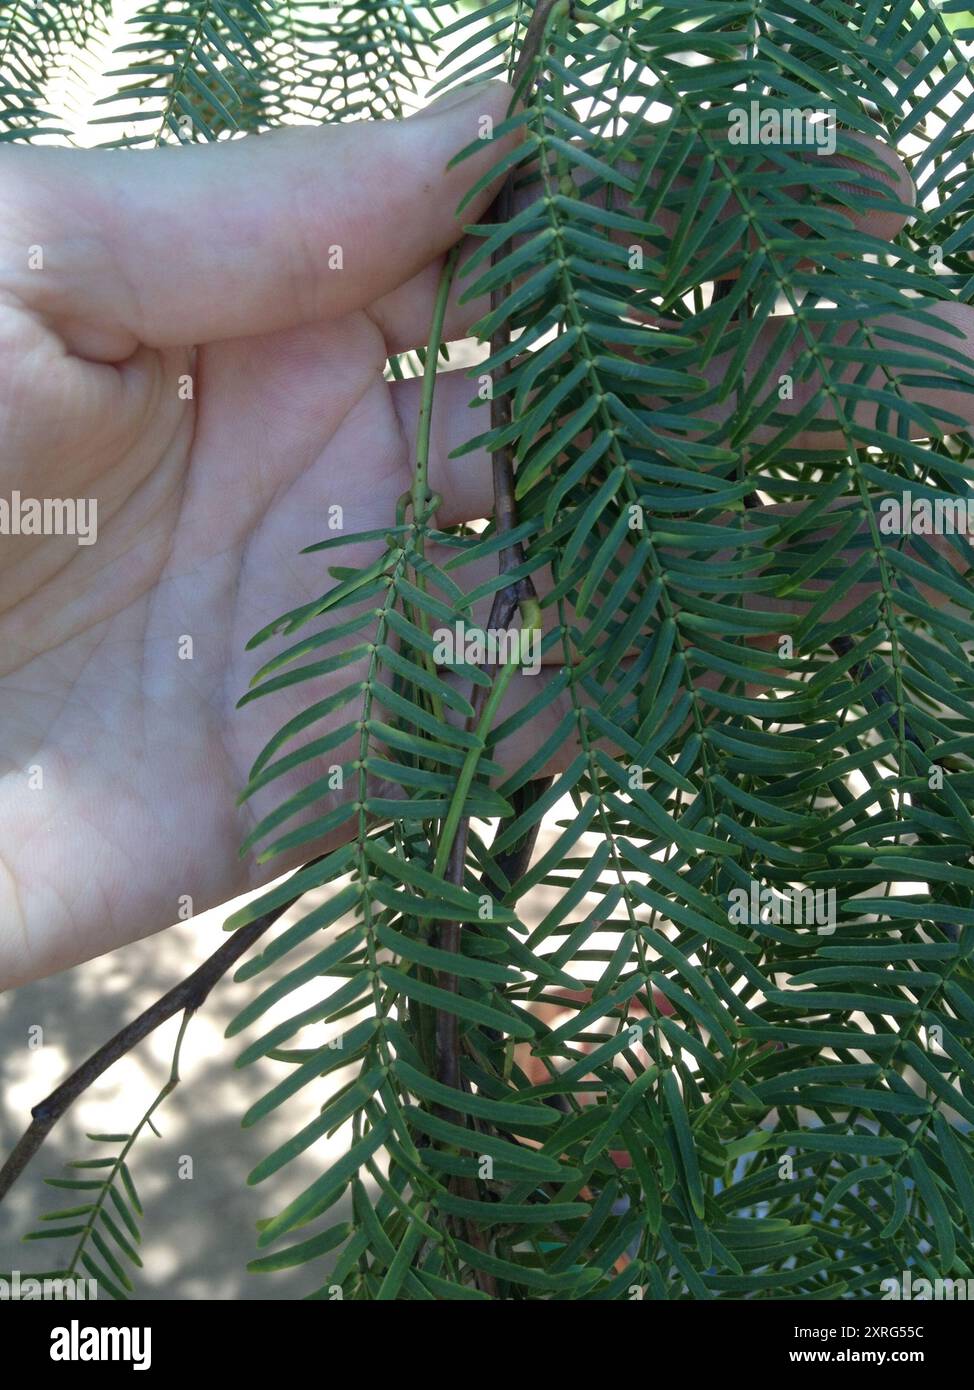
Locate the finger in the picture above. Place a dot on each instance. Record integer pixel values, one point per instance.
(483, 572)
(177, 246)
(879, 198)
(947, 326)
(550, 732)
(944, 391)
(458, 415)
(821, 533)
(466, 486)
(849, 412)
(547, 737)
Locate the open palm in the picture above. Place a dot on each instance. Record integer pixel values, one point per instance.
(123, 660)
(296, 262)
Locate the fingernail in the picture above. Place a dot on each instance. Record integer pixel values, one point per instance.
(459, 96)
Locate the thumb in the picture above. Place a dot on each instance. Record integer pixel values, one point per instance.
(178, 246)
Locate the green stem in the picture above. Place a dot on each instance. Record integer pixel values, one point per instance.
(421, 499)
(171, 1084)
(454, 814)
(420, 490)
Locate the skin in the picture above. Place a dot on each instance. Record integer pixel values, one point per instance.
(209, 264)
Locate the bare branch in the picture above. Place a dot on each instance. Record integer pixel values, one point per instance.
(187, 996)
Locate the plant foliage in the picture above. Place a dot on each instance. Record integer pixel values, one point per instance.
(734, 1106)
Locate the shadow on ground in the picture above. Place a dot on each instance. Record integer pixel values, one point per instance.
(199, 1231)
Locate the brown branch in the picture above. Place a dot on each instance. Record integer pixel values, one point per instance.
(502, 462)
(508, 598)
(447, 1025)
(513, 863)
(188, 995)
(505, 605)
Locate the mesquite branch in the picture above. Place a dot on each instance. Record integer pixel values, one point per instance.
(507, 599)
(186, 997)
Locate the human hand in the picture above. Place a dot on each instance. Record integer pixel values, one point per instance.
(210, 268)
